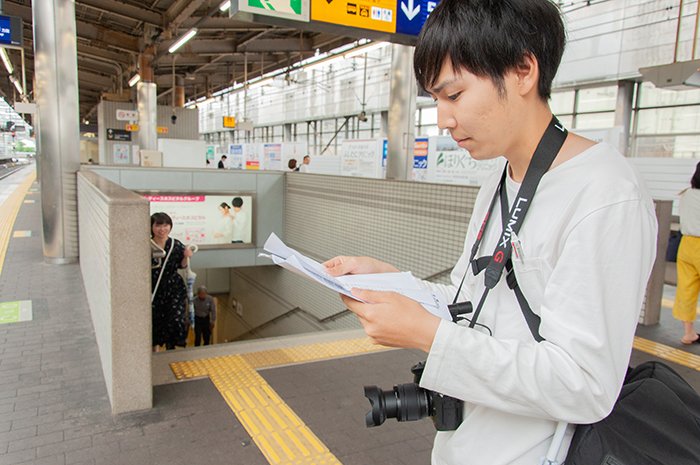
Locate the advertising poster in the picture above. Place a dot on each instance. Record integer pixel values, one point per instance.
(295, 150)
(272, 156)
(450, 164)
(420, 159)
(122, 154)
(252, 157)
(362, 158)
(207, 220)
(236, 159)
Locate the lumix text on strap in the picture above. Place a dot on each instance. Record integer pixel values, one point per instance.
(545, 153)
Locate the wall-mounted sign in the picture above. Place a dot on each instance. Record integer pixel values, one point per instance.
(10, 30)
(127, 115)
(377, 15)
(297, 10)
(118, 134)
(412, 14)
(162, 129)
(131, 127)
(229, 121)
(207, 219)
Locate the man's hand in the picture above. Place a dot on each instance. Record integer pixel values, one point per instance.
(393, 320)
(339, 266)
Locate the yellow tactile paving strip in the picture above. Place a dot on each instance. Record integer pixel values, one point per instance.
(277, 431)
(667, 353)
(8, 215)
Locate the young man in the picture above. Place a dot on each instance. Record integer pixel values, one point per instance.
(582, 256)
(222, 162)
(305, 164)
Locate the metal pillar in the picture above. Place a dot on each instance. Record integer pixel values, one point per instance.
(179, 92)
(402, 114)
(623, 112)
(148, 129)
(56, 95)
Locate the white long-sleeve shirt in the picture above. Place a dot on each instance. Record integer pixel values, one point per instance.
(689, 212)
(588, 243)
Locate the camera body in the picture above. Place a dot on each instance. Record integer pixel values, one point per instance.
(410, 402)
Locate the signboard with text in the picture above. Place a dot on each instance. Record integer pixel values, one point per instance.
(393, 16)
(297, 10)
(118, 134)
(207, 219)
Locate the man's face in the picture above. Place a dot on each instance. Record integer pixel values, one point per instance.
(478, 117)
(202, 295)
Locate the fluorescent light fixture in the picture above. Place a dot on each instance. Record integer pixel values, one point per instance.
(17, 84)
(6, 60)
(225, 6)
(134, 79)
(182, 40)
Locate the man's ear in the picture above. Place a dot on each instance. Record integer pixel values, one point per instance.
(527, 74)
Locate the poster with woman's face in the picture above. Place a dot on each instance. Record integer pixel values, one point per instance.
(220, 219)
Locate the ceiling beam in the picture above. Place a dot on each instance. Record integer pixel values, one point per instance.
(124, 10)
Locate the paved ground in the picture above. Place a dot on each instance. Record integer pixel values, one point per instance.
(54, 407)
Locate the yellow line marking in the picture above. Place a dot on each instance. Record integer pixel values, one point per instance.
(20, 233)
(667, 353)
(8, 214)
(279, 433)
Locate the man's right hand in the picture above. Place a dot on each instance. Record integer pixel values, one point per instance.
(342, 265)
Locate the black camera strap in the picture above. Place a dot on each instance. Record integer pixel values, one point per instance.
(542, 160)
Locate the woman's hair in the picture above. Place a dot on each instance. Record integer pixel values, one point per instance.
(489, 38)
(695, 180)
(225, 205)
(161, 218)
(292, 163)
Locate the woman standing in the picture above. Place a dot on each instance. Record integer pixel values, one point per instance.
(688, 262)
(169, 294)
(224, 230)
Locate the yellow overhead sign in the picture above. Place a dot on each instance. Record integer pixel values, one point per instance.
(131, 127)
(377, 15)
(229, 121)
(162, 129)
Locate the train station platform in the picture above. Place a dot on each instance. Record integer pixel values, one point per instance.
(289, 400)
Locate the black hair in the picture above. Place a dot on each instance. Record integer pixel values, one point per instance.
(237, 202)
(223, 156)
(160, 218)
(488, 38)
(292, 163)
(695, 180)
(225, 205)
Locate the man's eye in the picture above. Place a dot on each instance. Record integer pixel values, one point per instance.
(454, 97)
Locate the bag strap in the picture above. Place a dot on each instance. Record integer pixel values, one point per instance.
(162, 269)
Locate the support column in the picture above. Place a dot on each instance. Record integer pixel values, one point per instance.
(623, 112)
(147, 98)
(402, 114)
(179, 95)
(56, 95)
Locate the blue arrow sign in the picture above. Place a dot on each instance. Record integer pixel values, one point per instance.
(412, 14)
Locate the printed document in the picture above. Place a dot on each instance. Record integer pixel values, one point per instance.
(402, 283)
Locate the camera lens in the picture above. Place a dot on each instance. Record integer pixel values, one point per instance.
(406, 402)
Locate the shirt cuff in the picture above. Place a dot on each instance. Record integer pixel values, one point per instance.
(434, 365)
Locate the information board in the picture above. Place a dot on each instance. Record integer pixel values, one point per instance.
(377, 15)
(10, 30)
(202, 220)
(297, 10)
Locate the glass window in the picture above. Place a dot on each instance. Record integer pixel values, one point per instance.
(597, 99)
(671, 120)
(667, 146)
(428, 116)
(562, 103)
(650, 96)
(595, 120)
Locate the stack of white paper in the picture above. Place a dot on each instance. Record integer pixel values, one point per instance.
(401, 283)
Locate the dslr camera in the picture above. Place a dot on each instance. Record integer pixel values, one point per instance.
(410, 402)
